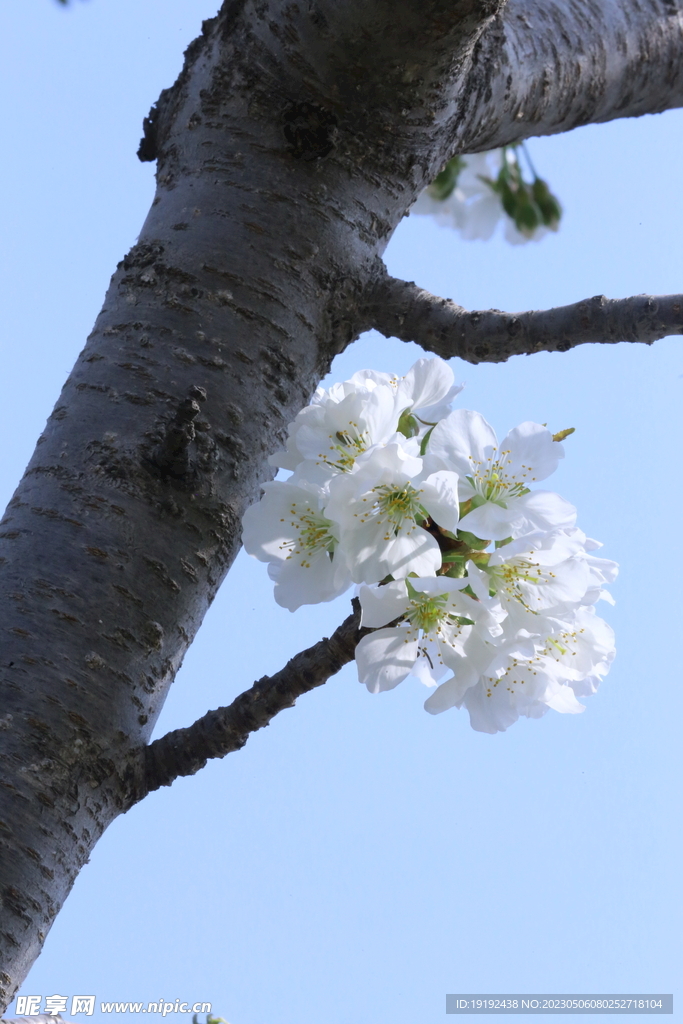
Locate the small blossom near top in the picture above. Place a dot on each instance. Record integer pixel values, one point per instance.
(473, 193)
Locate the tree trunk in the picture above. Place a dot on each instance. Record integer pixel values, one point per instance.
(295, 139)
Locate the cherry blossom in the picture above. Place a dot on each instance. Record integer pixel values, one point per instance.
(496, 479)
(380, 510)
(472, 580)
(288, 529)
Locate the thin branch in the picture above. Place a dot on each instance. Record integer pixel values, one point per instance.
(219, 732)
(400, 309)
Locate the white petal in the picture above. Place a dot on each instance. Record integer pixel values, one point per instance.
(426, 673)
(383, 604)
(533, 453)
(489, 521)
(481, 217)
(450, 694)
(489, 714)
(385, 658)
(564, 700)
(371, 556)
(319, 579)
(541, 510)
(479, 581)
(462, 439)
(440, 498)
(369, 379)
(437, 585)
(427, 382)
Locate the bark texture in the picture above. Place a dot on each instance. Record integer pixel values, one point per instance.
(547, 66)
(400, 309)
(295, 139)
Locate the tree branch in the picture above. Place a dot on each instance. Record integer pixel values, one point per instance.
(546, 66)
(400, 309)
(220, 732)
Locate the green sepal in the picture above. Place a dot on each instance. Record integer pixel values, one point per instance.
(528, 216)
(407, 424)
(474, 502)
(425, 440)
(502, 543)
(475, 543)
(456, 570)
(446, 180)
(561, 434)
(551, 211)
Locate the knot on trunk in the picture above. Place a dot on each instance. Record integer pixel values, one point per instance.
(310, 130)
(172, 456)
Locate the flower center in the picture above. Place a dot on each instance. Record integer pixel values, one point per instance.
(562, 644)
(439, 626)
(347, 445)
(512, 577)
(312, 534)
(393, 507)
(492, 481)
(427, 613)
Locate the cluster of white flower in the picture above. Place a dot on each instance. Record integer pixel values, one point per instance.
(473, 193)
(463, 566)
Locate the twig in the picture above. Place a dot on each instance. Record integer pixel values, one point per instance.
(402, 310)
(219, 732)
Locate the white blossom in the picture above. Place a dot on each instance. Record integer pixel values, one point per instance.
(288, 529)
(393, 491)
(474, 207)
(368, 410)
(536, 576)
(496, 479)
(339, 427)
(526, 675)
(380, 508)
(438, 619)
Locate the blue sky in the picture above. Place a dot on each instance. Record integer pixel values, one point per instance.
(359, 858)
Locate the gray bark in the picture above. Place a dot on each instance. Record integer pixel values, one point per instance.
(225, 730)
(295, 139)
(547, 66)
(400, 309)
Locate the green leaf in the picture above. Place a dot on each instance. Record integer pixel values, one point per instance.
(446, 180)
(551, 211)
(561, 434)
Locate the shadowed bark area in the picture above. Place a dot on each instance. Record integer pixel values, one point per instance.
(400, 309)
(294, 141)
